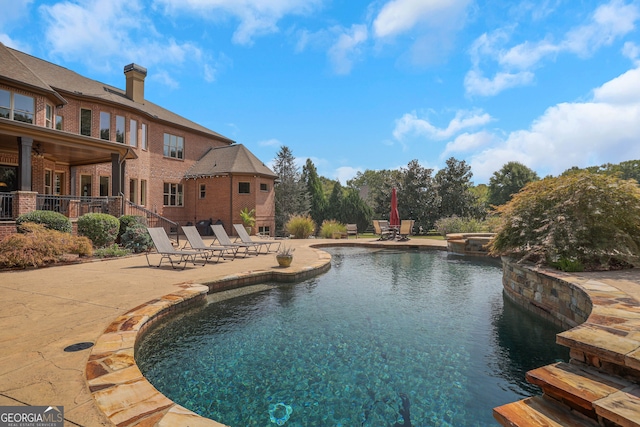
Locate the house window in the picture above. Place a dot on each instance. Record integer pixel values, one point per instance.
(48, 116)
(143, 136)
(264, 187)
(58, 179)
(104, 186)
(203, 191)
(264, 231)
(16, 107)
(133, 190)
(48, 181)
(59, 122)
(173, 194)
(143, 192)
(244, 187)
(133, 133)
(85, 185)
(173, 146)
(85, 122)
(105, 125)
(120, 129)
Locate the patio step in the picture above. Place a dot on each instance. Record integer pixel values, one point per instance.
(577, 386)
(540, 411)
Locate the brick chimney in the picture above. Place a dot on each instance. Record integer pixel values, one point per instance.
(135, 82)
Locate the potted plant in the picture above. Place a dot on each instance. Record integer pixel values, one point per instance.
(248, 218)
(285, 256)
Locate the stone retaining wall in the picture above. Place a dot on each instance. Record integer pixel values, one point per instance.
(552, 298)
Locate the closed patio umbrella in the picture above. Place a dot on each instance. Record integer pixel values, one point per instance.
(394, 218)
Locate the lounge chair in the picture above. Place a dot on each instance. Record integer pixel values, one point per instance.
(245, 238)
(352, 229)
(195, 242)
(224, 240)
(406, 225)
(167, 251)
(381, 228)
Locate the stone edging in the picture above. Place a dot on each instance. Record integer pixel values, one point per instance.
(116, 383)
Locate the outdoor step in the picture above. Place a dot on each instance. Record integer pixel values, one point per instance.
(577, 386)
(623, 407)
(606, 343)
(539, 411)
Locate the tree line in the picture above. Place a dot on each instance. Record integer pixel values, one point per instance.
(423, 196)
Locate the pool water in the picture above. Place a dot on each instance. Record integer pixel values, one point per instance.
(385, 338)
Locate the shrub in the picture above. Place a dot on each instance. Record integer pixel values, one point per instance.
(101, 228)
(136, 238)
(329, 227)
(111, 251)
(37, 246)
(127, 221)
(300, 226)
(50, 219)
(456, 224)
(581, 220)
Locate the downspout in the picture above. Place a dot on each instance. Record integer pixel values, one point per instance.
(230, 201)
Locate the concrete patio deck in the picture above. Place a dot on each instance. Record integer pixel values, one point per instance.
(46, 310)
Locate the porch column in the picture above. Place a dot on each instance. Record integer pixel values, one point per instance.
(117, 175)
(24, 163)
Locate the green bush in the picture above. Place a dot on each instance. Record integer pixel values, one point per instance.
(301, 227)
(101, 228)
(137, 238)
(111, 251)
(50, 219)
(329, 227)
(456, 224)
(127, 221)
(37, 246)
(580, 220)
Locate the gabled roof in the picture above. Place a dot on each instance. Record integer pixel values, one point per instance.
(22, 68)
(233, 159)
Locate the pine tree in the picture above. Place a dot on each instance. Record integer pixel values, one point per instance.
(291, 197)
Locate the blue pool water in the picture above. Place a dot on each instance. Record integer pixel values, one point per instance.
(384, 338)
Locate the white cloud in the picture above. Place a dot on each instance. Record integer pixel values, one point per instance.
(410, 124)
(165, 79)
(256, 17)
(631, 51)
(608, 23)
(345, 173)
(469, 142)
(270, 143)
(400, 16)
(347, 49)
(604, 129)
(13, 14)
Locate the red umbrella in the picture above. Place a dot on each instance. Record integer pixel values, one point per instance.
(394, 218)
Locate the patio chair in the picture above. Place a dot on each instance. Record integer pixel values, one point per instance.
(167, 251)
(406, 225)
(224, 240)
(195, 242)
(382, 229)
(245, 238)
(352, 229)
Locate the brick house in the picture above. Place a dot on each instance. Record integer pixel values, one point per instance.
(75, 145)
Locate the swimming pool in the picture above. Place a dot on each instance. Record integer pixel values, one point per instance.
(385, 338)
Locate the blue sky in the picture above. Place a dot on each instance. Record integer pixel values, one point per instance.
(358, 85)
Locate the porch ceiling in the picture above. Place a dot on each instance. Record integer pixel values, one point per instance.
(63, 147)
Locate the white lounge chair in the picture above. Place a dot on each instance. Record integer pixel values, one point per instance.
(195, 242)
(245, 238)
(224, 240)
(164, 247)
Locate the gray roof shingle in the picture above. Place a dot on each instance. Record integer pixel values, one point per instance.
(233, 159)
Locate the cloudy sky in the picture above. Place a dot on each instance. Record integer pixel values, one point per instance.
(358, 85)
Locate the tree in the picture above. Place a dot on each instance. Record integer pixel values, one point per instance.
(417, 196)
(317, 199)
(508, 181)
(334, 208)
(375, 186)
(577, 220)
(454, 188)
(290, 194)
(355, 210)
